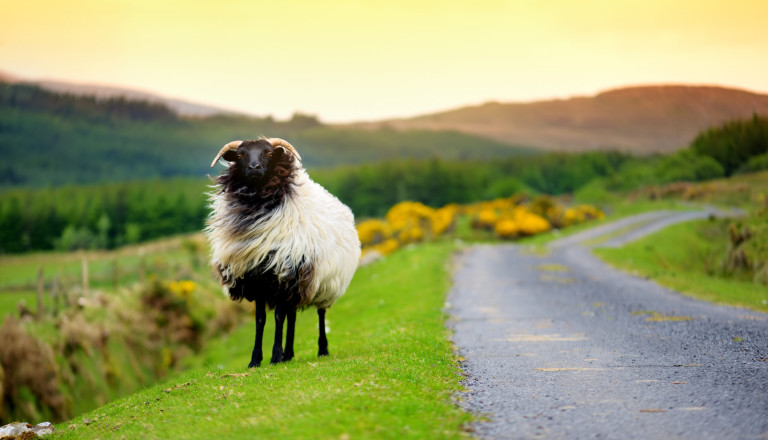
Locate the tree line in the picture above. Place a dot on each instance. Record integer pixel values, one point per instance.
(99, 216)
(109, 215)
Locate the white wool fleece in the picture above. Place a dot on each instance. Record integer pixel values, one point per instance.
(309, 226)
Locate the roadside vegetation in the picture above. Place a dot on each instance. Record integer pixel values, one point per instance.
(720, 260)
(391, 374)
(103, 336)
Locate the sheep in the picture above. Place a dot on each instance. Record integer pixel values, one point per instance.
(279, 239)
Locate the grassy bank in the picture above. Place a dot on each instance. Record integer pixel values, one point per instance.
(391, 373)
(685, 257)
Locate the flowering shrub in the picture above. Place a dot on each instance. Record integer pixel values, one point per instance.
(530, 223)
(182, 288)
(507, 218)
(513, 217)
(408, 220)
(444, 219)
(373, 231)
(520, 222)
(507, 228)
(486, 219)
(387, 247)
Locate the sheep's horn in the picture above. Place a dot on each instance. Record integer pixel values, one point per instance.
(230, 146)
(277, 142)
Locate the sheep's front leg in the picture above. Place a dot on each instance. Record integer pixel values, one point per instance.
(322, 341)
(289, 333)
(277, 347)
(261, 319)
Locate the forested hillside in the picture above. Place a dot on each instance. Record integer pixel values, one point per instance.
(51, 139)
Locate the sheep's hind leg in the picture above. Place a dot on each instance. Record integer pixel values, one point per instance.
(261, 319)
(277, 347)
(289, 334)
(322, 341)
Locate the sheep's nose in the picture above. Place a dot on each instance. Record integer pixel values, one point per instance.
(254, 167)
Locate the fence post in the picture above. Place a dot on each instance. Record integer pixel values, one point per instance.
(55, 294)
(85, 277)
(40, 288)
(115, 274)
(142, 265)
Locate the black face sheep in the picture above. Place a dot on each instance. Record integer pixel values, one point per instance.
(279, 239)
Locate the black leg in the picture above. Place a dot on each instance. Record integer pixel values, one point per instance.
(261, 319)
(277, 347)
(322, 341)
(289, 333)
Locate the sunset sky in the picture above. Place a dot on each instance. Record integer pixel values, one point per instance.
(351, 60)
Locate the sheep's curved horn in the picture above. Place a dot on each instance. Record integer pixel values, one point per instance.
(230, 146)
(277, 142)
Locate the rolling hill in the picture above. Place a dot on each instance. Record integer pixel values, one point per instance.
(639, 120)
(102, 92)
(48, 138)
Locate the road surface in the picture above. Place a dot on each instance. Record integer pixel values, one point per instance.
(561, 346)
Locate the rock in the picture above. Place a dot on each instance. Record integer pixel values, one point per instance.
(13, 430)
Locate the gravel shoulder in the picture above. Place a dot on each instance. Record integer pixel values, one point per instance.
(563, 346)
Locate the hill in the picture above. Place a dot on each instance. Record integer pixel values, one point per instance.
(103, 92)
(53, 139)
(640, 120)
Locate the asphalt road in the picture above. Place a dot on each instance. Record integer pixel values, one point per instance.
(561, 346)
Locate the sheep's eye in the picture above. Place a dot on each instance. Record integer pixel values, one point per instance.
(270, 154)
(239, 155)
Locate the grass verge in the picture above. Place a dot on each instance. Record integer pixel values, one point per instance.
(392, 372)
(681, 257)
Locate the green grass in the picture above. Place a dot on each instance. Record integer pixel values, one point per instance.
(392, 372)
(680, 257)
(20, 271)
(9, 302)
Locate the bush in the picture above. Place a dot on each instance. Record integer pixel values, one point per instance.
(734, 143)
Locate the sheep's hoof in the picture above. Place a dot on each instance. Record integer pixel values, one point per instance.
(287, 357)
(254, 364)
(323, 352)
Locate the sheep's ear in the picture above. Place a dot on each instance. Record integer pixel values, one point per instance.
(230, 156)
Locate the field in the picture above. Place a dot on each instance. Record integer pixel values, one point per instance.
(683, 257)
(106, 269)
(391, 373)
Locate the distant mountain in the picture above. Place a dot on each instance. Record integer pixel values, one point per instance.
(4, 77)
(179, 106)
(641, 120)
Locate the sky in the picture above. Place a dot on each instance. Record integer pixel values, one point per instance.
(355, 60)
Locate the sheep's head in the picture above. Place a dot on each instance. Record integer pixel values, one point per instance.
(254, 162)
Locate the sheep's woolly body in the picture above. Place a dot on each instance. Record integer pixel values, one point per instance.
(310, 226)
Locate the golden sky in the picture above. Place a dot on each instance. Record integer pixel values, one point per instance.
(358, 60)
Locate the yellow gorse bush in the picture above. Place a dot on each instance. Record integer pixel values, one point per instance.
(444, 219)
(519, 221)
(182, 288)
(509, 218)
(373, 231)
